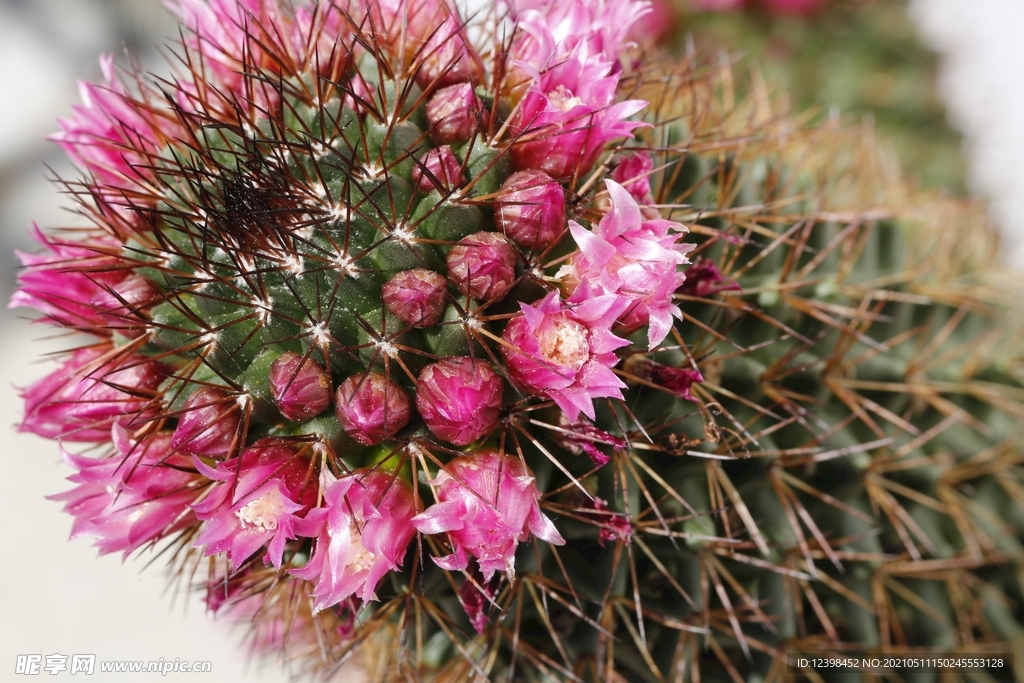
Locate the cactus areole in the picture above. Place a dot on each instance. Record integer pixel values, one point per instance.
(361, 284)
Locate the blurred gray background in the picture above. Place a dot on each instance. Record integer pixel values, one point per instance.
(56, 597)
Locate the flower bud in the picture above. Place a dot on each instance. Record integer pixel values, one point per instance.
(371, 408)
(454, 114)
(459, 399)
(439, 170)
(446, 56)
(416, 297)
(531, 210)
(300, 387)
(208, 424)
(633, 172)
(483, 266)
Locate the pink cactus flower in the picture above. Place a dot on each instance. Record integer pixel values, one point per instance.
(569, 53)
(488, 504)
(208, 424)
(257, 501)
(634, 258)
(565, 350)
(455, 114)
(233, 35)
(300, 387)
(439, 170)
(483, 266)
(361, 531)
(549, 30)
(96, 388)
(459, 399)
(633, 172)
(110, 136)
(80, 286)
(530, 210)
(568, 115)
(371, 408)
(136, 496)
(416, 297)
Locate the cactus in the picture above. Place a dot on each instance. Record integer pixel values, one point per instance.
(396, 345)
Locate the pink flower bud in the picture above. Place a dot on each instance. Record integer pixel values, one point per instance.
(445, 56)
(301, 388)
(208, 423)
(483, 266)
(454, 114)
(439, 170)
(459, 399)
(371, 408)
(633, 173)
(531, 210)
(416, 297)
(487, 503)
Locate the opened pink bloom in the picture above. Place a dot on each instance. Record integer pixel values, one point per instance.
(487, 503)
(569, 114)
(549, 30)
(225, 31)
(138, 495)
(361, 533)
(110, 136)
(565, 350)
(95, 389)
(256, 501)
(634, 258)
(80, 286)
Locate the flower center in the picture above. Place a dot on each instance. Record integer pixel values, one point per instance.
(563, 98)
(265, 511)
(565, 343)
(359, 559)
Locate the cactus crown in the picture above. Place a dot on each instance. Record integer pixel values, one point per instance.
(388, 319)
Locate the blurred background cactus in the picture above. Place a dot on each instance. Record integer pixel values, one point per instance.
(811, 442)
(860, 58)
